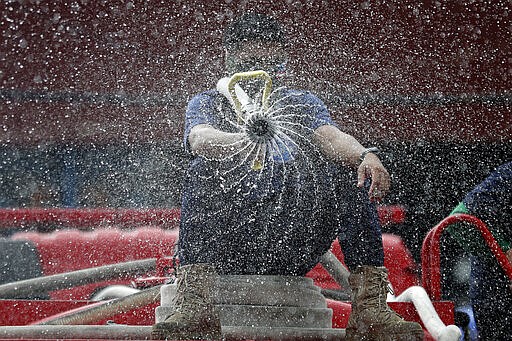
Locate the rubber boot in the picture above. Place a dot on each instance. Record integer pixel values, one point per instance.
(371, 318)
(194, 316)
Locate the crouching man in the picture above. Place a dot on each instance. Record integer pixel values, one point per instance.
(267, 192)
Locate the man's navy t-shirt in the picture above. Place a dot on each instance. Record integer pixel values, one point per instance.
(278, 220)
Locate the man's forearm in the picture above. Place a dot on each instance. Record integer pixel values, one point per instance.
(215, 144)
(338, 146)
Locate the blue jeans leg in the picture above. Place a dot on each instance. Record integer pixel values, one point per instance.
(360, 233)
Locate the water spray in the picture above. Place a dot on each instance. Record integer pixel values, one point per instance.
(260, 128)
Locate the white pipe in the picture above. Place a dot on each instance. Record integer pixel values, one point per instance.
(439, 331)
(222, 87)
(114, 291)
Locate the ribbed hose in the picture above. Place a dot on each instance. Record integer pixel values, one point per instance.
(41, 285)
(108, 309)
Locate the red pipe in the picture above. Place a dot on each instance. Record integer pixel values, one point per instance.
(430, 252)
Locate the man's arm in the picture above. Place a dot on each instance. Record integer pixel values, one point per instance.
(215, 144)
(345, 149)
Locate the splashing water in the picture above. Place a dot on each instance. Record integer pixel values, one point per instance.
(284, 204)
(279, 142)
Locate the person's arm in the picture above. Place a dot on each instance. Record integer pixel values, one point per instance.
(215, 144)
(345, 149)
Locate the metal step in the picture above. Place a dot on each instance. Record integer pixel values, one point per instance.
(268, 290)
(233, 333)
(265, 316)
(266, 308)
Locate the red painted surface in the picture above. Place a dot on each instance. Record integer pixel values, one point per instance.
(391, 214)
(30, 312)
(68, 250)
(86, 218)
(25, 312)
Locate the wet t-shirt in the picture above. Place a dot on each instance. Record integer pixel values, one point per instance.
(254, 220)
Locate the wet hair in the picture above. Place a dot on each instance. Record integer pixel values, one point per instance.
(253, 27)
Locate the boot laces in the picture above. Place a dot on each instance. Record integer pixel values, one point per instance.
(181, 286)
(187, 292)
(384, 287)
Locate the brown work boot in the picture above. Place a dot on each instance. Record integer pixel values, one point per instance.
(194, 315)
(371, 317)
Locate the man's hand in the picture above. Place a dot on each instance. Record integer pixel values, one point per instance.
(345, 149)
(371, 167)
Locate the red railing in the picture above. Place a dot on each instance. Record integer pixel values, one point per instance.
(87, 217)
(430, 253)
(164, 217)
